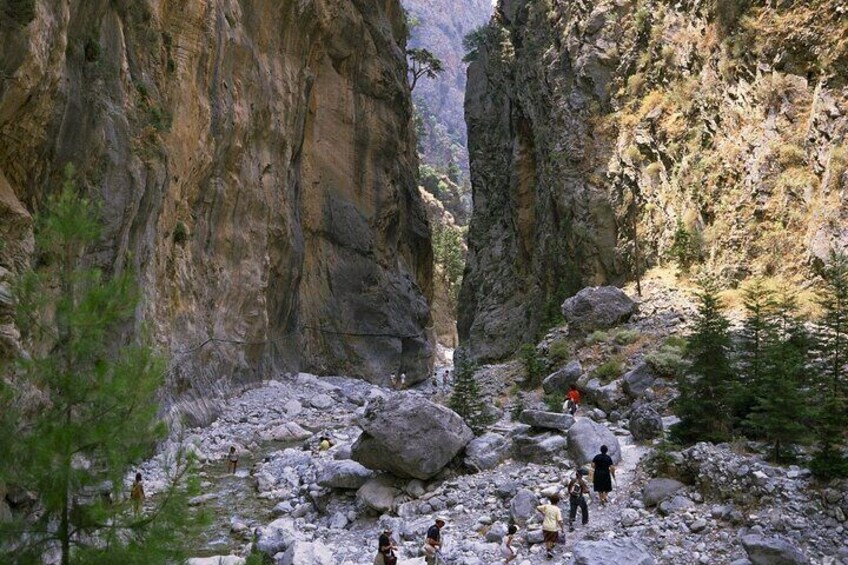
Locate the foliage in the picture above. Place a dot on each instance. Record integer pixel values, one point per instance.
(609, 370)
(554, 401)
(97, 412)
(684, 247)
(517, 407)
(624, 336)
(668, 361)
(597, 336)
(831, 389)
(22, 12)
(703, 404)
(466, 401)
(423, 63)
(534, 366)
(449, 252)
(180, 232)
(559, 350)
(473, 41)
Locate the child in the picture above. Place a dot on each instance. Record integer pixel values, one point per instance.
(232, 460)
(137, 494)
(324, 444)
(573, 399)
(552, 524)
(576, 488)
(507, 551)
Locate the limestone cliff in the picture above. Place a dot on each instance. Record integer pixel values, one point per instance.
(607, 136)
(256, 162)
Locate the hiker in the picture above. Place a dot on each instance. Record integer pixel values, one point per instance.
(447, 377)
(137, 494)
(232, 460)
(603, 475)
(576, 488)
(386, 549)
(552, 524)
(393, 381)
(573, 399)
(507, 551)
(324, 443)
(403, 380)
(433, 543)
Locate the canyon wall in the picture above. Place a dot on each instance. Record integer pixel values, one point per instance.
(607, 136)
(256, 164)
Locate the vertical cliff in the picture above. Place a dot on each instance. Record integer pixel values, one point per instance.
(256, 165)
(609, 136)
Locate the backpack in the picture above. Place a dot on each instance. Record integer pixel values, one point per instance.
(576, 489)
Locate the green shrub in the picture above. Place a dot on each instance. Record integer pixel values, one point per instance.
(597, 336)
(554, 401)
(559, 350)
(180, 234)
(668, 361)
(534, 367)
(625, 336)
(467, 401)
(20, 11)
(609, 370)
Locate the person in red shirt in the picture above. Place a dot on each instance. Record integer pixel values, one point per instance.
(573, 399)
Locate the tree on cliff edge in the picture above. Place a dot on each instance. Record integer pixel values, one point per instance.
(422, 62)
(466, 400)
(85, 411)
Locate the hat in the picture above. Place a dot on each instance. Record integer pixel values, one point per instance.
(441, 519)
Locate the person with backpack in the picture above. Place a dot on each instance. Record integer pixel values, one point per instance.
(507, 550)
(433, 542)
(577, 488)
(573, 399)
(603, 475)
(137, 494)
(386, 548)
(552, 523)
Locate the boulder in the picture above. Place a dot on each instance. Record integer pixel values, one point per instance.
(523, 505)
(378, 494)
(658, 490)
(307, 553)
(536, 447)
(322, 401)
(217, 560)
(612, 552)
(409, 436)
(343, 474)
(674, 505)
(276, 536)
(585, 439)
(563, 378)
(772, 551)
(608, 397)
(547, 420)
(487, 451)
(596, 308)
(645, 423)
(290, 431)
(638, 379)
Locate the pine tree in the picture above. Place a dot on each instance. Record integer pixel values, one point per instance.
(704, 402)
(95, 411)
(781, 406)
(466, 401)
(758, 331)
(831, 393)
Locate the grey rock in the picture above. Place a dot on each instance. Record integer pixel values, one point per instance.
(674, 505)
(307, 553)
(596, 308)
(612, 552)
(487, 451)
(496, 533)
(560, 380)
(698, 526)
(638, 380)
(505, 488)
(772, 551)
(409, 436)
(538, 447)
(338, 521)
(523, 505)
(343, 474)
(629, 517)
(378, 494)
(276, 536)
(322, 401)
(585, 439)
(645, 423)
(607, 396)
(217, 560)
(658, 490)
(547, 420)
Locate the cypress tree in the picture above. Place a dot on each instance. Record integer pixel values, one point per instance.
(88, 411)
(781, 405)
(465, 399)
(757, 333)
(704, 402)
(831, 391)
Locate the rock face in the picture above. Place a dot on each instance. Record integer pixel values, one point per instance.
(409, 436)
(588, 122)
(585, 439)
(597, 308)
(256, 164)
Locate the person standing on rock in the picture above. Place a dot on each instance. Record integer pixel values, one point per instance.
(576, 488)
(552, 523)
(433, 542)
(507, 551)
(403, 381)
(573, 399)
(387, 547)
(137, 494)
(393, 381)
(232, 460)
(603, 475)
